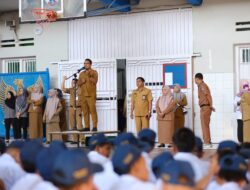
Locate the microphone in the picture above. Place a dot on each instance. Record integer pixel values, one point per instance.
(79, 70)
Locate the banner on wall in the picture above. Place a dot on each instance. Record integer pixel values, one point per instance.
(175, 73)
(11, 81)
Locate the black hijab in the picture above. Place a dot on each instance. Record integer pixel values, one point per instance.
(11, 102)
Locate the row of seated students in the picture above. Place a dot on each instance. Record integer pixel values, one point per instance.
(125, 163)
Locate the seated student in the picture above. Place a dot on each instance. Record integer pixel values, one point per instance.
(177, 175)
(233, 169)
(101, 148)
(44, 164)
(74, 171)
(184, 144)
(10, 169)
(158, 162)
(129, 163)
(148, 136)
(228, 145)
(215, 181)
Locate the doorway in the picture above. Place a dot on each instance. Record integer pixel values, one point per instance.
(121, 94)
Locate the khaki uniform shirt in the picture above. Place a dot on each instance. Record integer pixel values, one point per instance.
(204, 95)
(245, 106)
(71, 91)
(140, 100)
(88, 87)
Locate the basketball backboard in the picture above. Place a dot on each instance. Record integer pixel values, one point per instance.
(66, 9)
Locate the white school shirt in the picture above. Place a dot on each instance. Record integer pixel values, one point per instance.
(200, 170)
(148, 160)
(33, 181)
(213, 185)
(238, 113)
(10, 171)
(106, 179)
(230, 186)
(128, 182)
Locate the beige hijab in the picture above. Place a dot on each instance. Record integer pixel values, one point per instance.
(37, 94)
(51, 105)
(165, 100)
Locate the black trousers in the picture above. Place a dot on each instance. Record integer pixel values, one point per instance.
(8, 122)
(22, 123)
(240, 130)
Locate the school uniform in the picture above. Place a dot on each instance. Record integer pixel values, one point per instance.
(10, 171)
(200, 170)
(230, 186)
(129, 182)
(100, 179)
(149, 164)
(245, 105)
(213, 185)
(238, 115)
(33, 182)
(179, 116)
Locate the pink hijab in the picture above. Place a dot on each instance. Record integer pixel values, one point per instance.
(243, 88)
(51, 105)
(165, 100)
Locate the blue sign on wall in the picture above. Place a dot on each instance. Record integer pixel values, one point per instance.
(10, 82)
(175, 73)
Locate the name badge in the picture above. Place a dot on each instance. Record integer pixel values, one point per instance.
(143, 97)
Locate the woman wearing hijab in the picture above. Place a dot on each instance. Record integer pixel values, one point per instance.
(51, 115)
(9, 116)
(36, 113)
(165, 115)
(181, 102)
(238, 113)
(22, 112)
(245, 108)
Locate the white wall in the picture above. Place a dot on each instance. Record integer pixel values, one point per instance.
(50, 46)
(214, 37)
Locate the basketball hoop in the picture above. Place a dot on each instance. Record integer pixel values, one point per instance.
(43, 17)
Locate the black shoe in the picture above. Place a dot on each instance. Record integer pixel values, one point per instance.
(161, 145)
(85, 129)
(94, 129)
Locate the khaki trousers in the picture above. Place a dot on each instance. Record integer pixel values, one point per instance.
(141, 123)
(89, 108)
(246, 131)
(78, 121)
(205, 114)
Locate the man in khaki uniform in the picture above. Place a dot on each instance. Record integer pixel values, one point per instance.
(141, 105)
(72, 108)
(206, 105)
(87, 81)
(245, 107)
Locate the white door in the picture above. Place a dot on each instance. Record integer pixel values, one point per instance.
(106, 89)
(151, 70)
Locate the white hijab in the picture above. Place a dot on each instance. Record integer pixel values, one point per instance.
(52, 104)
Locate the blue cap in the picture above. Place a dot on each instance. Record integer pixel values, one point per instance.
(228, 145)
(98, 139)
(178, 172)
(126, 138)
(18, 144)
(198, 144)
(28, 155)
(147, 135)
(159, 161)
(144, 146)
(57, 145)
(72, 167)
(245, 152)
(2, 146)
(233, 163)
(124, 157)
(46, 158)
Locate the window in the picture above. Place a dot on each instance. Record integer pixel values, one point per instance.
(19, 65)
(245, 55)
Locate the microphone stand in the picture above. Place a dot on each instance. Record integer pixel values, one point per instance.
(75, 106)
